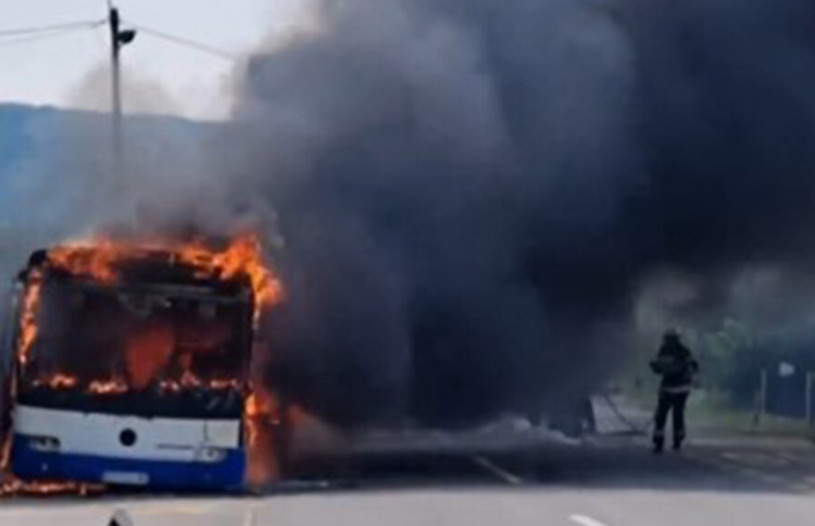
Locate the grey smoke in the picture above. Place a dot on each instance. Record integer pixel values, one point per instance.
(474, 194)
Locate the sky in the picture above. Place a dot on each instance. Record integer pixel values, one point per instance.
(71, 69)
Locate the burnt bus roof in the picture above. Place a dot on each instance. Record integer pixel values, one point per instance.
(149, 268)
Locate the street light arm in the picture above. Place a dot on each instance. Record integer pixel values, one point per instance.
(126, 36)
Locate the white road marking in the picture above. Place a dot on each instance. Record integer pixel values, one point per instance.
(498, 471)
(583, 520)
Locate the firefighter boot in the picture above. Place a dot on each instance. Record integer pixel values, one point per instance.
(678, 439)
(659, 444)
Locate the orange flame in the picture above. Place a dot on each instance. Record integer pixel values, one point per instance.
(118, 386)
(224, 384)
(97, 260)
(261, 416)
(103, 387)
(28, 325)
(5, 453)
(17, 487)
(58, 381)
(148, 352)
(243, 256)
(101, 260)
(190, 381)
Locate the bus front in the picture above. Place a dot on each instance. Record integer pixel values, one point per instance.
(139, 380)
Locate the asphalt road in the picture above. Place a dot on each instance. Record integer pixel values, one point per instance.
(507, 475)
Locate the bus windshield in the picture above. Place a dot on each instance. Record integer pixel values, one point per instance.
(147, 349)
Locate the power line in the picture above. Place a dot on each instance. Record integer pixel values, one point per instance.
(32, 34)
(187, 43)
(10, 42)
(34, 38)
(50, 29)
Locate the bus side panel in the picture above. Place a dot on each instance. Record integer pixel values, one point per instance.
(227, 474)
(172, 453)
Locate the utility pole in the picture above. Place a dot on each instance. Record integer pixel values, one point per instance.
(118, 39)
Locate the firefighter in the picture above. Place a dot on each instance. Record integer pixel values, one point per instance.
(676, 365)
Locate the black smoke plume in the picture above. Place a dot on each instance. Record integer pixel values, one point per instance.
(474, 193)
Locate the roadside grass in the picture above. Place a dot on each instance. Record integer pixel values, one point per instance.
(710, 412)
(706, 412)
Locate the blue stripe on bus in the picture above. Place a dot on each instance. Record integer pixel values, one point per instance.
(228, 474)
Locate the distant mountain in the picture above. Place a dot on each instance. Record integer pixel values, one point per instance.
(32, 137)
(23, 128)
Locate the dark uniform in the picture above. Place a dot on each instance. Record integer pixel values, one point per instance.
(676, 365)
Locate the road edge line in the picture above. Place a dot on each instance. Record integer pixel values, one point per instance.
(585, 520)
(497, 471)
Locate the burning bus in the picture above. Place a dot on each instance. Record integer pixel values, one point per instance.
(130, 364)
